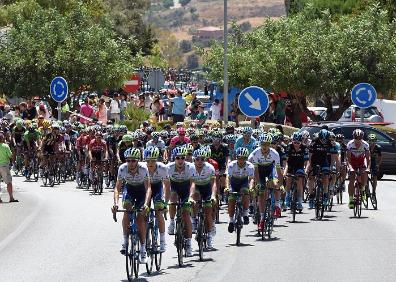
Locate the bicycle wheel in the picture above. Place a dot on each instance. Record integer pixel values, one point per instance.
(217, 207)
(330, 206)
(238, 225)
(100, 183)
(373, 197)
(293, 204)
(318, 202)
(150, 248)
(129, 260)
(157, 254)
(200, 235)
(35, 170)
(357, 202)
(179, 241)
(269, 223)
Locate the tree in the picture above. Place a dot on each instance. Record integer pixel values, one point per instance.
(312, 58)
(185, 46)
(184, 2)
(168, 3)
(192, 61)
(44, 43)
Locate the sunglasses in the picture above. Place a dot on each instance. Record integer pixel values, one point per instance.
(180, 158)
(200, 159)
(358, 138)
(241, 158)
(297, 142)
(131, 161)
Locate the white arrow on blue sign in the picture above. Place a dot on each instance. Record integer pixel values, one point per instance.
(363, 95)
(59, 89)
(253, 101)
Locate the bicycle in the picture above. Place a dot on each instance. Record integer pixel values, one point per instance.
(48, 176)
(358, 194)
(132, 249)
(202, 232)
(293, 194)
(18, 163)
(319, 195)
(370, 194)
(152, 247)
(97, 177)
(269, 217)
(180, 240)
(33, 168)
(238, 216)
(332, 192)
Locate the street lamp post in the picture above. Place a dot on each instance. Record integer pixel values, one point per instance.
(225, 91)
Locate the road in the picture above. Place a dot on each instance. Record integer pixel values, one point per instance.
(66, 234)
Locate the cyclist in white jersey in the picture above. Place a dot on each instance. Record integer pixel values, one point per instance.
(156, 141)
(181, 174)
(240, 179)
(159, 179)
(205, 190)
(133, 179)
(266, 162)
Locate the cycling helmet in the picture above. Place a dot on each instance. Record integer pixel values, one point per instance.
(247, 130)
(179, 151)
(135, 136)
(123, 128)
(62, 129)
(167, 126)
(141, 134)
(199, 154)
(256, 132)
(340, 137)
(164, 134)
(189, 148)
(190, 131)
(179, 124)
(149, 130)
(297, 137)
(324, 134)
(172, 133)
(230, 139)
(193, 125)
(55, 126)
(230, 129)
(242, 152)
(127, 138)
(155, 135)
(19, 122)
(305, 134)
(151, 153)
(31, 128)
(286, 138)
(208, 140)
(132, 153)
(194, 137)
(181, 131)
(216, 135)
(273, 130)
(372, 137)
(265, 138)
(145, 123)
(358, 134)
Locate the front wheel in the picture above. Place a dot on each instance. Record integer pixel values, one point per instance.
(150, 248)
(179, 242)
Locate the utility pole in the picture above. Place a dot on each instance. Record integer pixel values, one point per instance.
(225, 91)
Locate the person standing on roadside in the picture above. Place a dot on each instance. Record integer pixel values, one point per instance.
(5, 157)
(178, 107)
(115, 108)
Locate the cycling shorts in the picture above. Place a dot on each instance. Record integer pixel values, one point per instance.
(205, 191)
(374, 168)
(323, 167)
(157, 195)
(239, 185)
(134, 195)
(48, 150)
(182, 189)
(96, 156)
(295, 170)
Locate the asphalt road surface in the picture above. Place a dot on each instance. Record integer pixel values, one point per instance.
(66, 234)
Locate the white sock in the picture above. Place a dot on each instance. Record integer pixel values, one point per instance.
(162, 237)
(172, 221)
(188, 242)
(125, 239)
(277, 203)
(231, 219)
(262, 215)
(143, 248)
(246, 212)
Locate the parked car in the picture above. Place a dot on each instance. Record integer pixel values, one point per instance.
(371, 114)
(387, 143)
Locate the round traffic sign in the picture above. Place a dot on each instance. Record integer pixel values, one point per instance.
(253, 101)
(59, 89)
(363, 95)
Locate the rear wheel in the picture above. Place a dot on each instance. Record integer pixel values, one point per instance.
(293, 205)
(130, 260)
(150, 248)
(179, 242)
(199, 236)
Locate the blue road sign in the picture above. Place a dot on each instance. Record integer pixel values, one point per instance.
(363, 95)
(253, 101)
(59, 89)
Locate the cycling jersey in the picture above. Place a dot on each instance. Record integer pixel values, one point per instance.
(97, 146)
(335, 149)
(31, 136)
(134, 189)
(358, 153)
(281, 151)
(160, 144)
(180, 181)
(220, 154)
(18, 133)
(240, 142)
(343, 148)
(266, 164)
(296, 158)
(156, 178)
(239, 176)
(203, 180)
(178, 141)
(319, 154)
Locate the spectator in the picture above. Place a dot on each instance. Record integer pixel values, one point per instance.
(194, 106)
(201, 117)
(123, 106)
(65, 110)
(101, 113)
(43, 111)
(115, 108)
(5, 157)
(140, 103)
(23, 111)
(86, 110)
(31, 111)
(157, 109)
(148, 100)
(178, 108)
(8, 114)
(280, 110)
(216, 110)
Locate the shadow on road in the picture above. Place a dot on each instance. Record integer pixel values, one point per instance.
(268, 239)
(297, 221)
(240, 245)
(362, 217)
(176, 266)
(387, 179)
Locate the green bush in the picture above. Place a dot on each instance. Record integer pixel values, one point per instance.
(134, 117)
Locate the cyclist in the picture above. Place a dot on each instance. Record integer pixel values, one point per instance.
(343, 168)
(31, 142)
(306, 138)
(133, 181)
(297, 156)
(335, 161)
(159, 179)
(180, 139)
(376, 159)
(319, 162)
(219, 153)
(97, 152)
(246, 140)
(358, 157)
(156, 141)
(240, 179)
(266, 161)
(123, 145)
(181, 174)
(49, 145)
(205, 190)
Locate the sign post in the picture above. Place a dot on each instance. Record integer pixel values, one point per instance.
(59, 91)
(156, 79)
(253, 101)
(363, 95)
